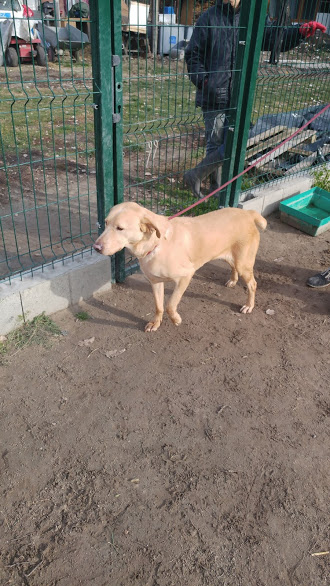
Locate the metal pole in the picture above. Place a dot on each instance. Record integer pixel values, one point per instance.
(103, 105)
(235, 113)
(282, 20)
(117, 120)
(155, 16)
(245, 86)
(57, 12)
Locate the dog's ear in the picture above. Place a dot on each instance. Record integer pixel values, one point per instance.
(149, 224)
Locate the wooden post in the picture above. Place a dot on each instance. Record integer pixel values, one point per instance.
(155, 15)
(187, 12)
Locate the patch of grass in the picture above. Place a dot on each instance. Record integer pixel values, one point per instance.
(3, 349)
(247, 183)
(285, 92)
(38, 118)
(40, 331)
(82, 316)
(182, 198)
(133, 146)
(322, 178)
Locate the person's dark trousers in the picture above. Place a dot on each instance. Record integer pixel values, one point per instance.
(216, 127)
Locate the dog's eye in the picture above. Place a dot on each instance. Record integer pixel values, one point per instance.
(119, 228)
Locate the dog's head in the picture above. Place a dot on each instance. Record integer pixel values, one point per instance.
(132, 226)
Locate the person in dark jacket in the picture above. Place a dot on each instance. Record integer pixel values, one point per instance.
(210, 58)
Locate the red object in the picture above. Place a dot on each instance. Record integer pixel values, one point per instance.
(27, 11)
(25, 49)
(309, 28)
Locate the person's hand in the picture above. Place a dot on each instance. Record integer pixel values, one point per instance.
(309, 28)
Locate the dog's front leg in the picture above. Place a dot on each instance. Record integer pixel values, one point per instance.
(179, 289)
(251, 284)
(158, 291)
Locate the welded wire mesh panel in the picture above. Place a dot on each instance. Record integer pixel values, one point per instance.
(164, 128)
(293, 85)
(164, 131)
(47, 166)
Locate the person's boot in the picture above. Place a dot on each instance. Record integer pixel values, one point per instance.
(319, 280)
(215, 179)
(215, 183)
(194, 177)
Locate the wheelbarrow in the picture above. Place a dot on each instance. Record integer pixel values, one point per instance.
(65, 38)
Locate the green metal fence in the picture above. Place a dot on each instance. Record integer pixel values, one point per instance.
(47, 152)
(291, 86)
(163, 131)
(78, 136)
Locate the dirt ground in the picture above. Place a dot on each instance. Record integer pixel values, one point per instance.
(193, 456)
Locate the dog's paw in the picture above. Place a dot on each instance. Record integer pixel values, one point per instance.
(152, 326)
(176, 319)
(230, 283)
(246, 309)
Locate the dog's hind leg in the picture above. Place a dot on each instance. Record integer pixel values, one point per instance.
(244, 265)
(158, 291)
(179, 289)
(234, 277)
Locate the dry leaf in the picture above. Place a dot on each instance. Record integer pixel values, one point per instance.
(113, 353)
(87, 342)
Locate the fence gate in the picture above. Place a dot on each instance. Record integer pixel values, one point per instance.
(148, 130)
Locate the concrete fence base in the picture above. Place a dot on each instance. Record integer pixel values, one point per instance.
(267, 200)
(53, 288)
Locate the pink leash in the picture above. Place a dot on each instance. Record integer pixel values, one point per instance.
(251, 166)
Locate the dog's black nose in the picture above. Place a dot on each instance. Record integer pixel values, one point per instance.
(97, 247)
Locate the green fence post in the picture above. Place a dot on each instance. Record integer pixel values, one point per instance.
(107, 73)
(247, 11)
(255, 28)
(116, 40)
(103, 105)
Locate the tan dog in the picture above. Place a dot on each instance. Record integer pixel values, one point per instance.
(172, 250)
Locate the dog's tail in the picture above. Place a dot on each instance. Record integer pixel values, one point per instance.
(258, 220)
